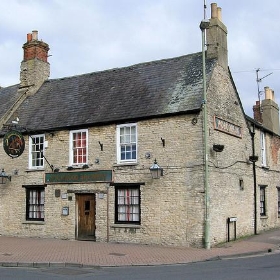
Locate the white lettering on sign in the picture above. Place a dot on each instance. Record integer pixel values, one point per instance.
(227, 127)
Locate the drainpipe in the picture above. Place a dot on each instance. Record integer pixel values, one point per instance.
(108, 221)
(254, 159)
(203, 26)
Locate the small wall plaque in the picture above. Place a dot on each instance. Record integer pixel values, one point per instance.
(57, 193)
(65, 211)
(64, 195)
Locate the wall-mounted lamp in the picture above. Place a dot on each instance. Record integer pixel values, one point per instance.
(101, 145)
(156, 170)
(218, 148)
(163, 142)
(253, 158)
(4, 177)
(241, 184)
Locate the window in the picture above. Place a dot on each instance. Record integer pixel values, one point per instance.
(127, 203)
(127, 143)
(262, 201)
(78, 147)
(278, 191)
(36, 151)
(263, 149)
(35, 200)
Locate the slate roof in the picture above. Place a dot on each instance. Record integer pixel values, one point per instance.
(141, 91)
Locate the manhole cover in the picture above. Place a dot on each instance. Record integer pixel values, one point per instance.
(117, 254)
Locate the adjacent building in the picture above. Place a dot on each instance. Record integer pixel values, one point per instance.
(78, 152)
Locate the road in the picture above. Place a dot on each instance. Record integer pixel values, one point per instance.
(249, 268)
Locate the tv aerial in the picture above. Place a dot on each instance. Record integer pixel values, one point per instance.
(259, 80)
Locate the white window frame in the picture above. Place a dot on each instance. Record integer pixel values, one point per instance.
(129, 143)
(71, 150)
(263, 149)
(31, 145)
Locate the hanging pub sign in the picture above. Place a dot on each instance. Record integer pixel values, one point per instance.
(13, 143)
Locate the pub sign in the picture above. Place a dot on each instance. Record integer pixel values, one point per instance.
(13, 143)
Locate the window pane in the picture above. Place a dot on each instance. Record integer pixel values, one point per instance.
(133, 134)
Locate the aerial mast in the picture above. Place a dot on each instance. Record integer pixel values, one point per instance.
(203, 26)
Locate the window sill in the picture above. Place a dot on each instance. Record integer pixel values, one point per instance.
(125, 164)
(264, 217)
(35, 170)
(125, 226)
(33, 222)
(265, 167)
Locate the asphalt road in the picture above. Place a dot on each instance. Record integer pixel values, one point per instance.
(245, 268)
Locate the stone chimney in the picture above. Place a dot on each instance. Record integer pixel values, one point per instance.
(35, 68)
(216, 37)
(270, 111)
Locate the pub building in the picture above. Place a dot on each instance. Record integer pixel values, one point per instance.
(159, 152)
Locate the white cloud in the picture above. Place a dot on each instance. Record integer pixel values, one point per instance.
(90, 35)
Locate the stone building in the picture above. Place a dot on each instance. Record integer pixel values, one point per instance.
(78, 152)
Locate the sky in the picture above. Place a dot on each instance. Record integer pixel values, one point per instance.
(86, 36)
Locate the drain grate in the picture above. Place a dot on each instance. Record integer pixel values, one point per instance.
(117, 254)
(7, 254)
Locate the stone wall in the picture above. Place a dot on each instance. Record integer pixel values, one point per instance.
(171, 207)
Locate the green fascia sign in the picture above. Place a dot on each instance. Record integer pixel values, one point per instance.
(78, 177)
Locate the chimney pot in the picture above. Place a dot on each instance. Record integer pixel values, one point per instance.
(219, 13)
(35, 35)
(214, 10)
(269, 93)
(29, 37)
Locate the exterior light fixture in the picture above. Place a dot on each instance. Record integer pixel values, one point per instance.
(253, 158)
(218, 148)
(156, 170)
(4, 177)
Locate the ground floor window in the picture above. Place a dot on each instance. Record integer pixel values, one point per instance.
(127, 202)
(278, 192)
(35, 202)
(262, 201)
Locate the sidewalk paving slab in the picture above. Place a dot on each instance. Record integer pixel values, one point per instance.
(44, 252)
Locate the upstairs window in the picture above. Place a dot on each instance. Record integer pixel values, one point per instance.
(78, 147)
(127, 143)
(36, 151)
(263, 149)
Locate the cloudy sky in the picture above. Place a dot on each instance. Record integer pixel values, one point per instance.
(91, 35)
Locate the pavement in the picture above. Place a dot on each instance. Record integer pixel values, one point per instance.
(42, 252)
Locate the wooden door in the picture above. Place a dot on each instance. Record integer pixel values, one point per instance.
(86, 216)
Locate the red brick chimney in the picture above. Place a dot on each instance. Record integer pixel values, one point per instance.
(257, 112)
(35, 68)
(34, 48)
